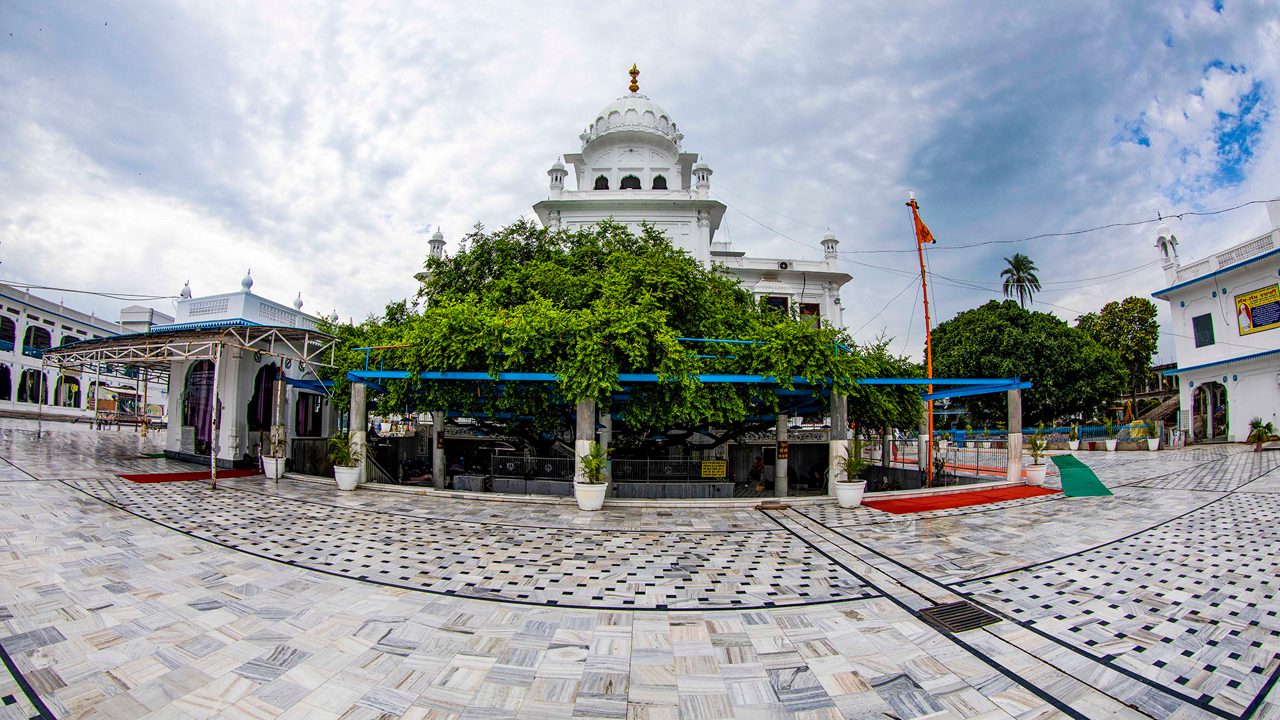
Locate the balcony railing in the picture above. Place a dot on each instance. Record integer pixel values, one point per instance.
(33, 352)
(6, 345)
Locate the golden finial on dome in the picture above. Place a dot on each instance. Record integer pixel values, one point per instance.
(634, 72)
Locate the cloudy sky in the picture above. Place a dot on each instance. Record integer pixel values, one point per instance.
(145, 144)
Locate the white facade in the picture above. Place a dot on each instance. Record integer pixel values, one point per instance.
(245, 381)
(1226, 325)
(632, 169)
(29, 325)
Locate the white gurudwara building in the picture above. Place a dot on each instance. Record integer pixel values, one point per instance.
(1226, 325)
(633, 168)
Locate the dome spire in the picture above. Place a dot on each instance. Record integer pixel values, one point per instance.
(634, 72)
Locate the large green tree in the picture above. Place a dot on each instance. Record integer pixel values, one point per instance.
(1020, 278)
(590, 304)
(1072, 375)
(1129, 327)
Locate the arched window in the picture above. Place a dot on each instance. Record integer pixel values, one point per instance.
(602, 183)
(259, 412)
(6, 383)
(35, 340)
(659, 182)
(66, 393)
(8, 333)
(197, 401)
(33, 388)
(630, 182)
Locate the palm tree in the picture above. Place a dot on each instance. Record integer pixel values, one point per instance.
(1020, 278)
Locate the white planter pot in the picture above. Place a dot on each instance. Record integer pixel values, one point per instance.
(1035, 474)
(348, 477)
(1153, 444)
(1111, 444)
(986, 444)
(849, 494)
(590, 496)
(942, 444)
(1073, 444)
(273, 467)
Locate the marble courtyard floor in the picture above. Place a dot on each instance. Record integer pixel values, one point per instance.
(169, 600)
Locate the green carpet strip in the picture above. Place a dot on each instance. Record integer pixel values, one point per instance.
(1077, 479)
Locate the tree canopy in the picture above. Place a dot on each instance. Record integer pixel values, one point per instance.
(1129, 327)
(591, 303)
(1072, 375)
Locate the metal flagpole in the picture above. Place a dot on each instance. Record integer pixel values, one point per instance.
(928, 339)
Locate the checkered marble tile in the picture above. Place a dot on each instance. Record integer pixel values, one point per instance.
(1190, 605)
(110, 616)
(416, 504)
(555, 566)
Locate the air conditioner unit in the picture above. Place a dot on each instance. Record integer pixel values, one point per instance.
(784, 265)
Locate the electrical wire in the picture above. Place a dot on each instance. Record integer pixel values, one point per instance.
(907, 287)
(1069, 233)
(111, 295)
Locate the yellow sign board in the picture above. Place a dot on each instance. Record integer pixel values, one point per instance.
(1258, 310)
(715, 468)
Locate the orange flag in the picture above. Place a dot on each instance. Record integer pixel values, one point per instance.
(922, 232)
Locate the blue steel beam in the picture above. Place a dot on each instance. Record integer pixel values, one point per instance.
(975, 390)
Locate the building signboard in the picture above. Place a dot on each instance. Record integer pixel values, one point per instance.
(1258, 310)
(714, 468)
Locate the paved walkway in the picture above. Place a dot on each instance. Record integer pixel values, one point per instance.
(121, 600)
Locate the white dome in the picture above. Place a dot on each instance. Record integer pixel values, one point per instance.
(246, 283)
(634, 112)
(297, 303)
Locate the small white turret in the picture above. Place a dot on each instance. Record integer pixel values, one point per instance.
(186, 291)
(246, 283)
(297, 303)
(702, 179)
(437, 244)
(1167, 244)
(333, 317)
(557, 173)
(829, 245)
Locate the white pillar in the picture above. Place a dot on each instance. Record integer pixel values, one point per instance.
(215, 419)
(585, 433)
(838, 443)
(438, 465)
(1015, 437)
(279, 426)
(606, 439)
(780, 488)
(360, 425)
(924, 442)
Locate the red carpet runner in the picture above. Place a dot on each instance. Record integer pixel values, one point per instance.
(955, 500)
(178, 477)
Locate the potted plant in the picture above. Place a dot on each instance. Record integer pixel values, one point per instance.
(1111, 434)
(1153, 440)
(1260, 432)
(986, 437)
(944, 440)
(589, 490)
(849, 487)
(1073, 438)
(1036, 444)
(970, 440)
(346, 461)
(274, 458)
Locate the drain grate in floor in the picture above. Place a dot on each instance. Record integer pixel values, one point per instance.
(958, 616)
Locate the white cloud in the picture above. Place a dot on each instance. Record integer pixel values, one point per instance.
(312, 142)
